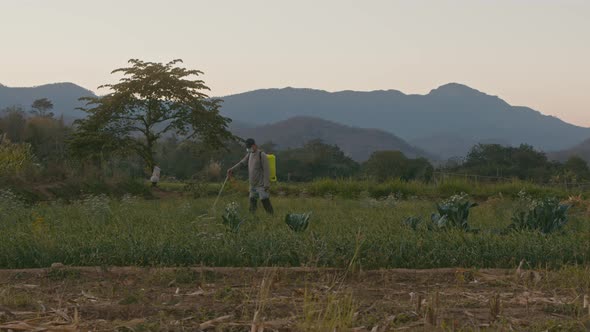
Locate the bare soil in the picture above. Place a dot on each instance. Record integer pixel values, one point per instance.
(284, 299)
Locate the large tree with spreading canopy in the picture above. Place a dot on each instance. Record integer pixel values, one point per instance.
(149, 101)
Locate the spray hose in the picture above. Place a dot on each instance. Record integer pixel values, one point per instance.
(219, 194)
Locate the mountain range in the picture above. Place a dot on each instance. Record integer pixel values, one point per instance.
(446, 122)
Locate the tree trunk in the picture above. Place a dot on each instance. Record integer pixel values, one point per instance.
(149, 156)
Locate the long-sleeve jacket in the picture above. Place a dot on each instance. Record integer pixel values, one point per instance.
(258, 168)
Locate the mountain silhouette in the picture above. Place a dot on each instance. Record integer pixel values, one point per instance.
(447, 121)
(357, 143)
(64, 97)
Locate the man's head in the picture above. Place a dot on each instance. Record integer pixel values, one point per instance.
(251, 145)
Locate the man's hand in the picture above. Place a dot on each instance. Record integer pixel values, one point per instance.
(230, 173)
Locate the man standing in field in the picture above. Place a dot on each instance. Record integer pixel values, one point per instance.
(258, 175)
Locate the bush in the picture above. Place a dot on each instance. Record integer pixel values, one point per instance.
(15, 159)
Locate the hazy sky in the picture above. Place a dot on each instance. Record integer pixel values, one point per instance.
(529, 52)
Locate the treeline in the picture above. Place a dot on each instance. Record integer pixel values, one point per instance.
(36, 146)
(314, 160)
(522, 162)
(32, 144)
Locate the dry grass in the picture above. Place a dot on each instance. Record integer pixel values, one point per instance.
(295, 299)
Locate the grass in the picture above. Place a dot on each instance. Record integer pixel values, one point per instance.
(368, 233)
(354, 189)
(14, 298)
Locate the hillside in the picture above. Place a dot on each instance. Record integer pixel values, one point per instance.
(452, 117)
(358, 143)
(63, 95)
(581, 150)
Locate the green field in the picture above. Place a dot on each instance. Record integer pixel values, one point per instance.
(362, 233)
(354, 189)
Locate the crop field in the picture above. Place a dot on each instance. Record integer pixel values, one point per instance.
(362, 263)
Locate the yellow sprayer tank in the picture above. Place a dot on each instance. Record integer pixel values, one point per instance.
(272, 162)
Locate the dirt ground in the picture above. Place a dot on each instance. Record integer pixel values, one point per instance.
(285, 299)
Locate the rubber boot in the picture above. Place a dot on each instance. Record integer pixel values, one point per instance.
(267, 206)
(253, 204)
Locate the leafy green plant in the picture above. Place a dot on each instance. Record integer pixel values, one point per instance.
(231, 217)
(545, 215)
(453, 213)
(297, 222)
(413, 222)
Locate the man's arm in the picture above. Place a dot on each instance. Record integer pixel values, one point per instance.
(241, 163)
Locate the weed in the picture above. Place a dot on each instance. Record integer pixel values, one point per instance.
(132, 298)
(336, 311)
(231, 217)
(16, 299)
(495, 307)
(58, 274)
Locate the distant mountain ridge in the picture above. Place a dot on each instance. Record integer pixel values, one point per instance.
(462, 114)
(445, 122)
(357, 143)
(63, 95)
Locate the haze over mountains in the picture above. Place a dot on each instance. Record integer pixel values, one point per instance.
(445, 122)
(581, 150)
(357, 143)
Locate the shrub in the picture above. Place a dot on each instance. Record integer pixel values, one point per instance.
(14, 158)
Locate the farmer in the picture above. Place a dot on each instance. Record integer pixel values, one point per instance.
(258, 175)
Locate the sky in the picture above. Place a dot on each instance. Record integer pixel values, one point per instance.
(532, 53)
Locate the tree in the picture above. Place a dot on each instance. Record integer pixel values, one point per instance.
(578, 167)
(47, 137)
(42, 107)
(150, 101)
(522, 162)
(13, 123)
(383, 165)
(315, 160)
